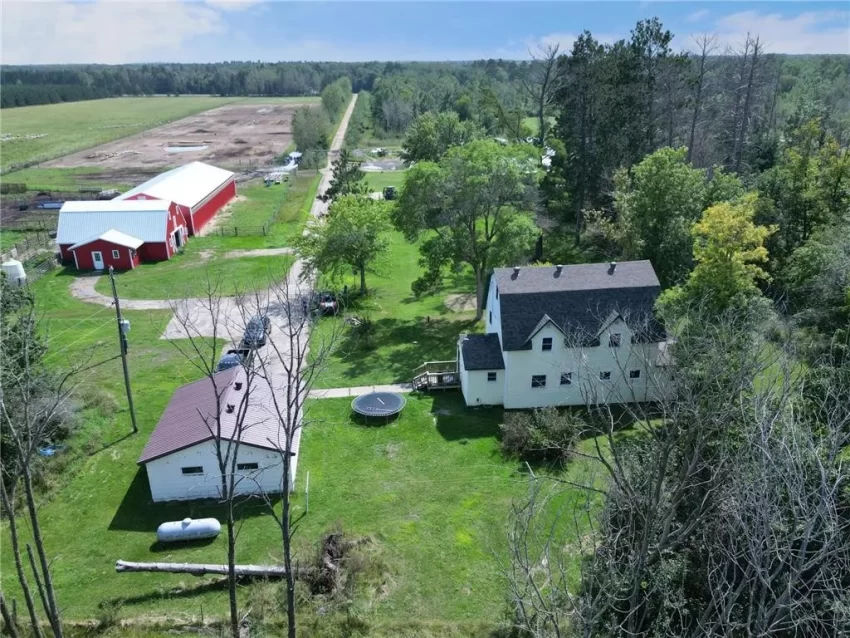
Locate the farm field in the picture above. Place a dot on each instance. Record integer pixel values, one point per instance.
(73, 126)
(406, 331)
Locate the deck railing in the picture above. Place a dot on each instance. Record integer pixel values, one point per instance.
(433, 375)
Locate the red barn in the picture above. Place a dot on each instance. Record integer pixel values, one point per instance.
(95, 235)
(200, 190)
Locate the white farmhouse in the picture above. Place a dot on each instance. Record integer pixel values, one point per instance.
(180, 456)
(566, 335)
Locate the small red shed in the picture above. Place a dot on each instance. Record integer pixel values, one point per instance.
(112, 248)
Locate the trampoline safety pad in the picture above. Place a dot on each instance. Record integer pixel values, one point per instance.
(379, 404)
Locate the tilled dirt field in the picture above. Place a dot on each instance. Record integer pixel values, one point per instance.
(236, 136)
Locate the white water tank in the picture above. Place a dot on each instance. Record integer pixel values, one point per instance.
(188, 530)
(14, 271)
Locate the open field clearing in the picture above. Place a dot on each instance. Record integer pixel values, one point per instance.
(235, 136)
(40, 133)
(378, 181)
(405, 331)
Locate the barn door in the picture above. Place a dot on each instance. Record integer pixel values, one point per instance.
(97, 259)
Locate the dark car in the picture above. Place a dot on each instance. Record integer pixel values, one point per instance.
(230, 360)
(389, 193)
(326, 303)
(255, 332)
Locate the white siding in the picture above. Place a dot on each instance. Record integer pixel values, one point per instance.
(585, 365)
(168, 483)
(493, 318)
(478, 391)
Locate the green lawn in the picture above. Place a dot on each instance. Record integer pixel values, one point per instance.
(65, 179)
(407, 331)
(187, 274)
(9, 238)
(73, 126)
(534, 124)
(378, 181)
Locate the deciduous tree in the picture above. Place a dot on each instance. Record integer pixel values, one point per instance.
(353, 235)
(477, 202)
(432, 134)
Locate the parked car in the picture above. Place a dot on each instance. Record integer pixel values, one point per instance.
(389, 193)
(256, 331)
(229, 360)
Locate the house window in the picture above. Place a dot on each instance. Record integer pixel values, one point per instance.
(115, 254)
(547, 343)
(634, 374)
(188, 471)
(491, 316)
(614, 340)
(538, 380)
(491, 376)
(247, 466)
(497, 293)
(566, 378)
(605, 376)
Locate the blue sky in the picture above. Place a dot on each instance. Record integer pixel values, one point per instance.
(119, 31)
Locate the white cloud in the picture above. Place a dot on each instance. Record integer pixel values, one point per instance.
(696, 16)
(806, 33)
(232, 5)
(566, 40)
(102, 31)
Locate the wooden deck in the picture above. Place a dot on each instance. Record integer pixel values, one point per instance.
(436, 375)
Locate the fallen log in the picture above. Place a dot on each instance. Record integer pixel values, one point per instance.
(201, 569)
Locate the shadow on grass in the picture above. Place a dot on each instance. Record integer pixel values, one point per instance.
(456, 422)
(138, 513)
(396, 347)
(372, 421)
(176, 593)
(159, 547)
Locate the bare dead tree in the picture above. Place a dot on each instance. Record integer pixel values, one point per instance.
(7, 500)
(707, 45)
(203, 323)
(542, 84)
(755, 47)
(290, 366)
(721, 509)
(7, 617)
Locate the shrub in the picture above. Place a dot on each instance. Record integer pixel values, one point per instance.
(544, 435)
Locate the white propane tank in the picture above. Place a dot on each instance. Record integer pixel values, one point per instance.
(14, 271)
(188, 530)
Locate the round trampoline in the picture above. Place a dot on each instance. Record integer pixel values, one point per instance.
(379, 404)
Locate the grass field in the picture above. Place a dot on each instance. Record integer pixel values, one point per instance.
(407, 331)
(73, 126)
(378, 181)
(64, 179)
(9, 238)
(534, 124)
(187, 274)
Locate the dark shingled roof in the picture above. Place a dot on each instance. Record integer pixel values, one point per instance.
(578, 299)
(482, 352)
(183, 422)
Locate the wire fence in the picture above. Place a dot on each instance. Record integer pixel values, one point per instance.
(28, 246)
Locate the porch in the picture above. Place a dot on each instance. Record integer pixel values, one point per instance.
(436, 375)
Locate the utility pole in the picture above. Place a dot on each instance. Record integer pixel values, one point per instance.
(122, 343)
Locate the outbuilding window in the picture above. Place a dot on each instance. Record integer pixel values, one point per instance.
(614, 340)
(247, 466)
(538, 380)
(634, 374)
(491, 316)
(566, 378)
(547, 343)
(605, 376)
(491, 376)
(115, 254)
(188, 471)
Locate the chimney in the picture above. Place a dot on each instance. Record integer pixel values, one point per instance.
(516, 270)
(612, 266)
(558, 269)
(230, 408)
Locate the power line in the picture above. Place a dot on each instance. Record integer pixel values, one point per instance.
(88, 334)
(51, 337)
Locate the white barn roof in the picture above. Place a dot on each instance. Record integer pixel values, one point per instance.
(186, 185)
(146, 221)
(113, 237)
